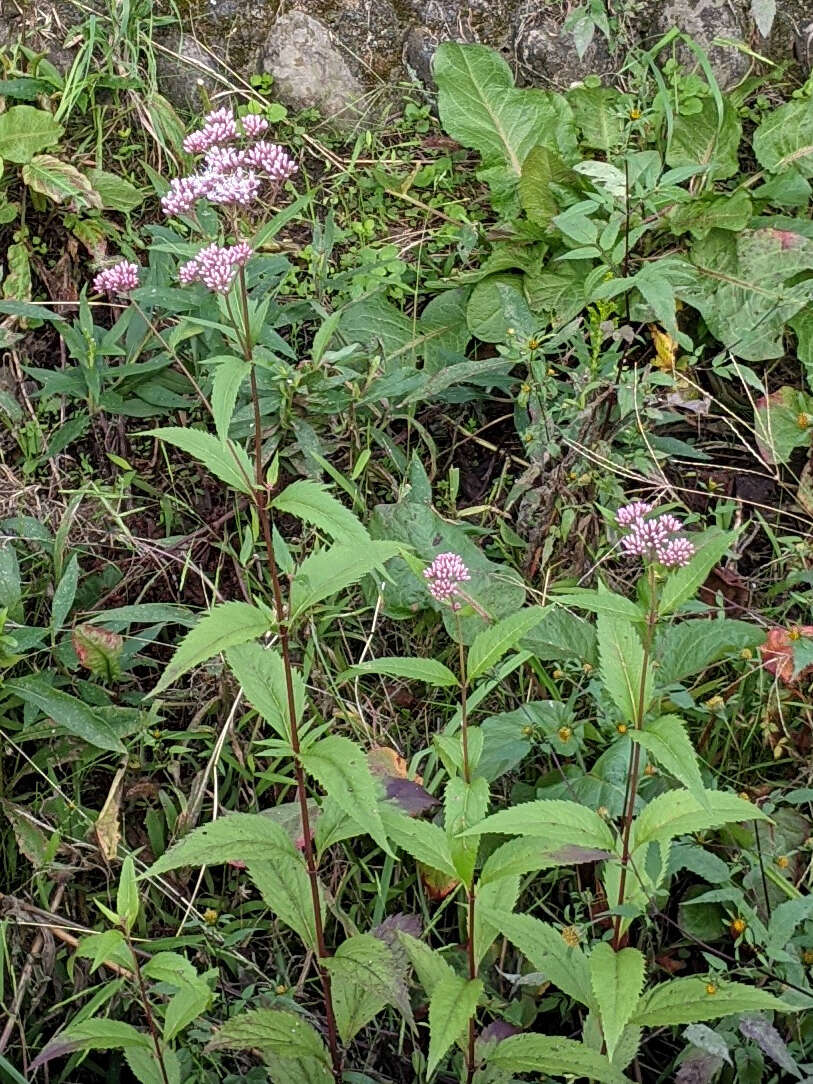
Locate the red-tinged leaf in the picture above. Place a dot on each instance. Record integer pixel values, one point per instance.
(409, 796)
(498, 1030)
(438, 885)
(778, 652)
(98, 650)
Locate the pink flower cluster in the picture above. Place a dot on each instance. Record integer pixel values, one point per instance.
(121, 278)
(444, 576)
(215, 266)
(653, 539)
(230, 175)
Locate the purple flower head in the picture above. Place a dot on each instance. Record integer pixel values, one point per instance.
(444, 576)
(676, 553)
(119, 279)
(254, 125)
(653, 539)
(183, 193)
(271, 159)
(218, 127)
(239, 188)
(215, 266)
(224, 159)
(631, 512)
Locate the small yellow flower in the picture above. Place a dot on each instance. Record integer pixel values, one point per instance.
(281, 989)
(622, 728)
(803, 420)
(711, 989)
(551, 371)
(746, 797)
(603, 812)
(650, 769)
(807, 956)
(714, 703)
(558, 675)
(533, 344)
(156, 733)
(525, 389)
(746, 653)
(510, 331)
(210, 916)
(587, 668)
(527, 731)
(565, 733)
(571, 936)
(738, 926)
(635, 114)
(794, 634)
(783, 861)
(528, 437)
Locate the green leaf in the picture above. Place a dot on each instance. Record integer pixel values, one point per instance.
(617, 979)
(553, 1055)
(542, 168)
(677, 812)
(497, 304)
(17, 283)
(601, 113)
(689, 647)
(480, 107)
(127, 895)
(312, 502)
(493, 642)
(560, 823)
(601, 602)
(362, 974)
(115, 192)
(331, 570)
(565, 966)
(99, 650)
(144, 1066)
(688, 1001)
(25, 130)
(60, 182)
(229, 375)
(429, 670)
(283, 882)
(274, 1031)
(93, 1034)
(465, 805)
(685, 582)
(341, 767)
(666, 739)
(702, 139)
(224, 459)
(451, 1006)
(193, 994)
(528, 855)
(423, 840)
(64, 594)
(261, 673)
(784, 920)
(784, 139)
(67, 711)
(623, 674)
(429, 965)
(227, 625)
(776, 424)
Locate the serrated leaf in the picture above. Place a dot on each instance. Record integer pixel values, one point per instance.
(688, 1001)
(93, 1034)
(560, 823)
(261, 674)
(601, 602)
(335, 568)
(229, 375)
(623, 671)
(428, 670)
(451, 1006)
(224, 459)
(341, 767)
(363, 976)
(528, 855)
(677, 812)
(666, 739)
(60, 181)
(225, 626)
(429, 965)
(284, 884)
(422, 839)
(312, 502)
(69, 712)
(553, 1055)
(493, 642)
(617, 979)
(464, 805)
(685, 582)
(284, 1034)
(25, 130)
(688, 647)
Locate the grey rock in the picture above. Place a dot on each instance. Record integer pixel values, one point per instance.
(546, 53)
(310, 72)
(703, 21)
(183, 69)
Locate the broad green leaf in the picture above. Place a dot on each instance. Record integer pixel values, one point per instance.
(24, 131)
(666, 739)
(229, 375)
(465, 805)
(284, 884)
(225, 626)
(480, 107)
(65, 594)
(686, 648)
(553, 1055)
(17, 283)
(60, 181)
(115, 192)
(562, 824)
(683, 584)
(261, 673)
(493, 642)
(784, 139)
(67, 711)
(127, 895)
(701, 139)
(677, 813)
(623, 671)
(335, 568)
(430, 967)
(193, 994)
(429, 670)
(784, 920)
(249, 837)
(565, 966)
(422, 839)
(497, 304)
(225, 459)
(144, 1066)
(93, 1034)
(451, 1006)
(617, 979)
(276, 1031)
(602, 114)
(542, 168)
(312, 502)
(695, 998)
(341, 767)
(528, 855)
(601, 602)
(362, 974)
(776, 424)
(499, 896)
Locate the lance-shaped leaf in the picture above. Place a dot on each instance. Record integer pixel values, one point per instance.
(617, 979)
(694, 999)
(559, 823)
(93, 1034)
(225, 459)
(555, 1056)
(493, 642)
(622, 666)
(666, 739)
(312, 502)
(451, 1006)
(677, 812)
(261, 673)
(331, 570)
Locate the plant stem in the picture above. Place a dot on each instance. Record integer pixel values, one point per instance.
(635, 752)
(464, 736)
(264, 516)
(147, 1010)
